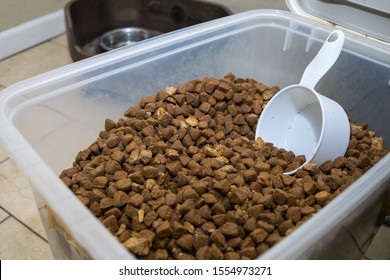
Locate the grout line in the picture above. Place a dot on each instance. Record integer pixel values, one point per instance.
(53, 40)
(6, 218)
(4, 160)
(357, 245)
(58, 44)
(28, 227)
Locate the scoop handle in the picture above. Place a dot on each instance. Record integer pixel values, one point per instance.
(324, 59)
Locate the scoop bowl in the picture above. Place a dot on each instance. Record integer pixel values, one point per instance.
(303, 121)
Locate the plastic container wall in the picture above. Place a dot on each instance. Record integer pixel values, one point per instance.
(47, 120)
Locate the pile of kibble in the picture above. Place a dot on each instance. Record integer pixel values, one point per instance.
(182, 176)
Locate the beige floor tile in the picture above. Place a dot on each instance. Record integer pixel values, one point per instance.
(380, 246)
(32, 62)
(17, 198)
(17, 242)
(3, 154)
(61, 40)
(3, 216)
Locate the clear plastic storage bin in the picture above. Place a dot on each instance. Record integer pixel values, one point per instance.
(45, 121)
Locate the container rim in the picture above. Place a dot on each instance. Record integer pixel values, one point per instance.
(14, 141)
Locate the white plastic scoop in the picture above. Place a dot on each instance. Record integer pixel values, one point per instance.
(303, 121)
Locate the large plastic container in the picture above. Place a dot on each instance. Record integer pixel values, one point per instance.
(45, 121)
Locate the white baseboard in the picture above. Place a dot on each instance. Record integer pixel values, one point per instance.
(31, 33)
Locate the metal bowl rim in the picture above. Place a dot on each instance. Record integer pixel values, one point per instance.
(126, 31)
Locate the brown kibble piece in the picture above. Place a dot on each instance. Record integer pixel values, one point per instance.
(222, 186)
(285, 226)
(229, 229)
(258, 235)
(280, 197)
(309, 187)
(174, 168)
(219, 219)
(112, 166)
(194, 217)
(322, 198)
(124, 184)
(294, 214)
(204, 253)
(120, 198)
(109, 124)
(150, 217)
(238, 195)
(248, 252)
(326, 166)
(100, 181)
(307, 210)
(232, 256)
(255, 211)
(209, 198)
(165, 212)
(150, 172)
(178, 229)
(112, 141)
(164, 230)
(218, 238)
(171, 199)
(200, 240)
(136, 200)
(160, 254)
(138, 245)
(185, 242)
(106, 203)
(250, 225)
(111, 223)
(273, 238)
(266, 226)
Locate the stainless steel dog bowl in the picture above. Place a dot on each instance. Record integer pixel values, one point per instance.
(121, 37)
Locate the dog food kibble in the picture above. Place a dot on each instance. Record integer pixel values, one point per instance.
(182, 176)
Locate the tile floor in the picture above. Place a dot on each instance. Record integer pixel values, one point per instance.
(22, 235)
(21, 232)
